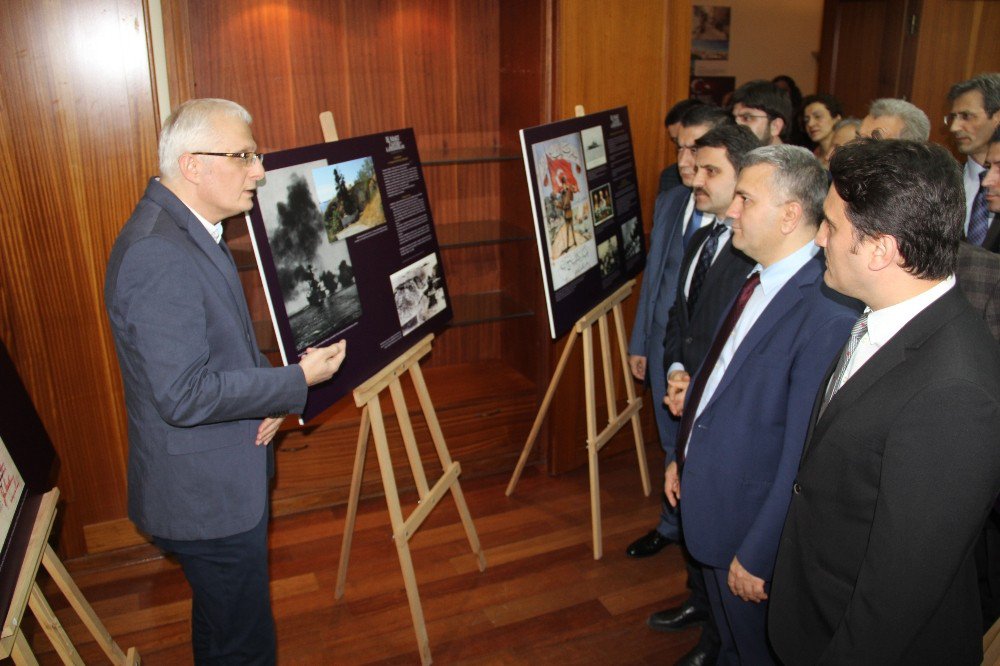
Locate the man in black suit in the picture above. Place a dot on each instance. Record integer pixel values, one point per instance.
(991, 190)
(901, 466)
(974, 117)
(711, 274)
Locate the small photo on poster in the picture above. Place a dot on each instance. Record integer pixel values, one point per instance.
(569, 225)
(607, 253)
(710, 32)
(11, 490)
(349, 198)
(600, 204)
(418, 290)
(316, 276)
(632, 237)
(593, 147)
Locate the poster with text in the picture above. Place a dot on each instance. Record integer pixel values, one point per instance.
(585, 201)
(346, 246)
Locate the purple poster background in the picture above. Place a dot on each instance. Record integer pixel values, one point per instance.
(346, 247)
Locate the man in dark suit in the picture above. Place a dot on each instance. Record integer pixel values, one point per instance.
(675, 219)
(974, 117)
(900, 468)
(991, 191)
(202, 401)
(670, 177)
(712, 271)
(747, 408)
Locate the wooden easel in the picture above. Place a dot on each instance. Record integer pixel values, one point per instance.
(27, 592)
(616, 420)
(367, 397)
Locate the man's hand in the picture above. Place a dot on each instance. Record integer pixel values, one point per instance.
(268, 429)
(677, 385)
(744, 584)
(672, 484)
(637, 364)
(319, 363)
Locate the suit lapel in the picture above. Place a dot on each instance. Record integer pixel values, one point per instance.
(783, 301)
(891, 354)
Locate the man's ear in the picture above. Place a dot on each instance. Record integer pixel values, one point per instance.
(884, 252)
(191, 167)
(777, 125)
(791, 217)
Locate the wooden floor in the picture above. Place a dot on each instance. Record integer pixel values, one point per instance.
(542, 599)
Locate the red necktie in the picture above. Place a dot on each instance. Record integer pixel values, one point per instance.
(698, 385)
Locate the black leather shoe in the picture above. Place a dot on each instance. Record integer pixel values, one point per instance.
(647, 545)
(697, 657)
(675, 619)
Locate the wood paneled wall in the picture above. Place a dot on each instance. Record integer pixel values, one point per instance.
(77, 143)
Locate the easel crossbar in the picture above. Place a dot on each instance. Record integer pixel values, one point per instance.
(614, 426)
(427, 504)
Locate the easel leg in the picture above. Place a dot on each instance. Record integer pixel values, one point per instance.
(53, 628)
(75, 597)
(640, 449)
(352, 502)
(542, 412)
(595, 484)
(427, 405)
(399, 530)
(22, 654)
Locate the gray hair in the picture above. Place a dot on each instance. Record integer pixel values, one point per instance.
(798, 176)
(190, 128)
(847, 122)
(916, 126)
(987, 83)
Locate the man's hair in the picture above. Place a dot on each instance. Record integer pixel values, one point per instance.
(190, 128)
(705, 114)
(737, 140)
(996, 135)
(767, 97)
(794, 94)
(910, 190)
(677, 110)
(987, 83)
(845, 122)
(797, 176)
(916, 126)
(831, 103)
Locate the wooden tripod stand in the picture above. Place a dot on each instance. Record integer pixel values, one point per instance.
(616, 420)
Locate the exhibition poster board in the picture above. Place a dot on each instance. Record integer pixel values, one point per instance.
(346, 247)
(585, 201)
(28, 466)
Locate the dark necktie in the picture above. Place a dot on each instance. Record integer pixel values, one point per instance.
(840, 373)
(698, 384)
(694, 224)
(705, 259)
(979, 217)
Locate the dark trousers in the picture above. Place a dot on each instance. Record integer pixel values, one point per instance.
(709, 642)
(231, 620)
(742, 624)
(987, 554)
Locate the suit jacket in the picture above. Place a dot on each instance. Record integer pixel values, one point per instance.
(196, 385)
(978, 274)
(897, 477)
(690, 333)
(745, 446)
(992, 240)
(670, 178)
(664, 259)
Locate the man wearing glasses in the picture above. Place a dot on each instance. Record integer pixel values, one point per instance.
(765, 109)
(202, 401)
(975, 115)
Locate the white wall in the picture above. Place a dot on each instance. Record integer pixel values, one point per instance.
(772, 37)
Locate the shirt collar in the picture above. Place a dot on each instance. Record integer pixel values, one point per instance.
(214, 229)
(885, 323)
(774, 277)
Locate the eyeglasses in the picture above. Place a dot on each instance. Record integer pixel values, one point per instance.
(964, 116)
(747, 117)
(248, 159)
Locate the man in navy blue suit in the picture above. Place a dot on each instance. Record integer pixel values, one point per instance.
(747, 408)
(675, 219)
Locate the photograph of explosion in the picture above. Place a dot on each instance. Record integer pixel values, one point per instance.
(314, 267)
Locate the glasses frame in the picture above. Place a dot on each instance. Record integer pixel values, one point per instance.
(247, 157)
